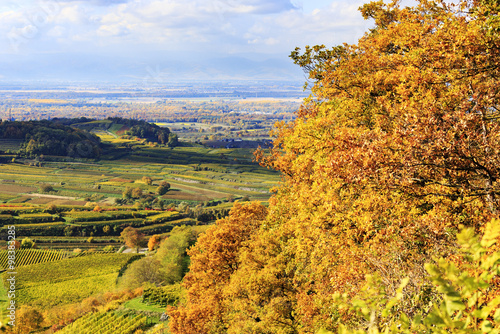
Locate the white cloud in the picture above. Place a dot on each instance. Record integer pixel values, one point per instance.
(176, 24)
(57, 31)
(73, 15)
(113, 30)
(210, 27)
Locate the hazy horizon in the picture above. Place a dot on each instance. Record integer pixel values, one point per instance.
(167, 40)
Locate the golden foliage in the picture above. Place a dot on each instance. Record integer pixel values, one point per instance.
(213, 259)
(398, 146)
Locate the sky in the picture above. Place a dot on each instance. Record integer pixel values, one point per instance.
(168, 40)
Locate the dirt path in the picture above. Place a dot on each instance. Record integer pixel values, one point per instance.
(51, 196)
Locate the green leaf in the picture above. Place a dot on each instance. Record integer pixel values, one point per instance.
(491, 233)
(486, 326)
(342, 330)
(490, 261)
(496, 316)
(405, 322)
(483, 313)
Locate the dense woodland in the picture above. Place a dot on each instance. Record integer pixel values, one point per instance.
(389, 170)
(130, 127)
(50, 138)
(74, 137)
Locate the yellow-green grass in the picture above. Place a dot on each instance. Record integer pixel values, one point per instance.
(162, 215)
(7, 197)
(14, 188)
(199, 190)
(138, 305)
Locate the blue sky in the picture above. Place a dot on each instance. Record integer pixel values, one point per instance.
(187, 39)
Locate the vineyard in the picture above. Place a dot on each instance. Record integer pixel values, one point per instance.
(68, 280)
(106, 323)
(26, 257)
(166, 295)
(75, 207)
(158, 329)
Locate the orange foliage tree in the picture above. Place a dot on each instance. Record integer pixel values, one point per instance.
(397, 146)
(132, 237)
(154, 242)
(214, 259)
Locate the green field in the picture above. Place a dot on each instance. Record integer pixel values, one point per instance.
(196, 173)
(203, 184)
(74, 209)
(68, 280)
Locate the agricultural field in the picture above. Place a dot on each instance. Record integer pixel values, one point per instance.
(68, 280)
(61, 197)
(196, 173)
(26, 257)
(74, 211)
(106, 323)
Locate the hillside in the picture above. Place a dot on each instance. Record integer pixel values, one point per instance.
(50, 138)
(126, 127)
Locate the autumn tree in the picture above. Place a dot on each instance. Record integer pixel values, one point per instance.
(397, 147)
(173, 140)
(145, 270)
(154, 242)
(28, 319)
(51, 208)
(27, 243)
(46, 188)
(132, 237)
(163, 188)
(213, 259)
(148, 180)
(106, 229)
(136, 193)
(127, 192)
(173, 253)
(168, 265)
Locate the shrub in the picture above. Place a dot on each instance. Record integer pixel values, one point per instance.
(27, 243)
(46, 188)
(109, 248)
(163, 188)
(147, 180)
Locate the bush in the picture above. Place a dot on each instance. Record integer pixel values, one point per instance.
(145, 270)
(46, 188)
(27, 243)
(147, 180)
(137, 193)
(51, 208)
(109, 248)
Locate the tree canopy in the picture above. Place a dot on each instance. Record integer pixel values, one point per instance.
(395, 150)
(52, 138)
